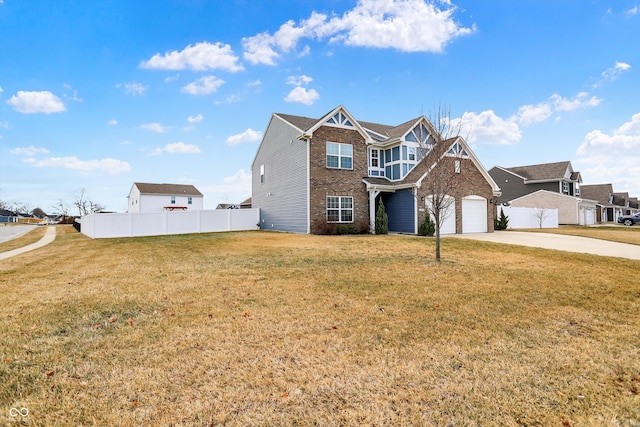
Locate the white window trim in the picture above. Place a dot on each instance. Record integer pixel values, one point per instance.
(340, 209)
(339, 155)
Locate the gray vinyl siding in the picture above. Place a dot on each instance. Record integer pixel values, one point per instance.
(282, 198)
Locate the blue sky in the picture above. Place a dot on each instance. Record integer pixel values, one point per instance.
(96, 95)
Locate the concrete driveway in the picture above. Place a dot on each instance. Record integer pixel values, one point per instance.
(559, 242)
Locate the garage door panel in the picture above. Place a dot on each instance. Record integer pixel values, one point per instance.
(474, 215)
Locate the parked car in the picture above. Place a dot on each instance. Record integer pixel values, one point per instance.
(629, 219)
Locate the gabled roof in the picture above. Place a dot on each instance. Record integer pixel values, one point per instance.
(600, 192)
(168, 189)
(543, 172)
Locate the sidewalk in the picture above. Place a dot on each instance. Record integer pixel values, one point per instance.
(49, 236)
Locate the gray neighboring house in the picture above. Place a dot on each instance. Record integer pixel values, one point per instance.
(515, 182)
(609, 207)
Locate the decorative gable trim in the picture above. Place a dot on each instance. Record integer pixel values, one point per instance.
(471, 156)
(339, 117)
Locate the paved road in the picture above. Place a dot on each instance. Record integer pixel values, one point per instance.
(10, 232)
(49, 236)
(559, 242)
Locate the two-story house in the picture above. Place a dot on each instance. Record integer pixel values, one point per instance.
(146, 197)
(558, 177)
(546, 186)
(311, 174)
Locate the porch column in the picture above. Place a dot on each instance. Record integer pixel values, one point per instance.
(372, 210)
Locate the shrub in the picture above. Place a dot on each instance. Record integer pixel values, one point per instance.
(427, 226)
(382, 220)
(503, 222)
(347, 229)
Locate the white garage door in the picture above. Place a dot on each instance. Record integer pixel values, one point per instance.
(474, 214)
(448, 226)
(590, 216)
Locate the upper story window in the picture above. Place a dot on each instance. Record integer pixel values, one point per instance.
(565, 187)
(189, 200)
(576, 191)
(340, 119)
(421, 135)
(261, 174)
(173, 200)
(339, 156)
(376, 162)
(457, 150)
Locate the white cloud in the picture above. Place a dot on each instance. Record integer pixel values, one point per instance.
(488, 128)
(622, 142)
(177, 148)
(302, 95)
(633, 11)
(155, 127)
(299, 80)
(199, 57)
(195, 119)
(29, 151)
(36, 102)
(613, 157)
(203, 86)
(409, 26)
(133, 88)
(248, 135)
(254, 83)
(108, 165)
(172, 78)
(112, 122)
(1, 90)
(611, 74)
(231, 99)
(531, 114)
(581, 100)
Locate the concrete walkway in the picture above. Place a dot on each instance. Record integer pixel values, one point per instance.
(49, 236)
(559, 242)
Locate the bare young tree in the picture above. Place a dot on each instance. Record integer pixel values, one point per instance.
(61, 208)
(442, 153)
(84, 204)
(541, 214)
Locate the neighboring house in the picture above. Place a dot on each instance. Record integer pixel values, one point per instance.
(145, 197)
(518, 181)
(310, 175)
(245, 204)
(571, 210)
(629, 204)
(607, 210)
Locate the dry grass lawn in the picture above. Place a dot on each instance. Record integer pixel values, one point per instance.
(272, 329)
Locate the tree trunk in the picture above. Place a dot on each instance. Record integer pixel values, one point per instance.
(437, 239)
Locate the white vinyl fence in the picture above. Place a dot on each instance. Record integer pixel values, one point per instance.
(105, 225)
(530, 217)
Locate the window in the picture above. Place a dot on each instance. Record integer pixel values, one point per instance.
(340, 119)
(189, 200)
(412, 153)
(339, 209)
(173, 200)
(339, 156)
(374, 158)
(565, 187)
(577, 189)
(456, 166)
(261, 174)
(457, 150)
